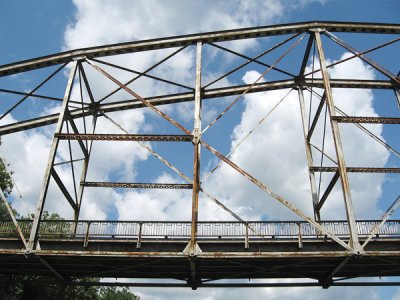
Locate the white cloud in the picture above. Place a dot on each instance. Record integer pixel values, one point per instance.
(104, 22)
(275, 153)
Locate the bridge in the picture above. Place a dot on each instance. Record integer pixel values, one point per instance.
(233, 250)
(310, 249)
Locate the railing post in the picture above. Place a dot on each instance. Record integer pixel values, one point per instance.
(246, 239)
(139, 239)
(86, 242)
(300, 238)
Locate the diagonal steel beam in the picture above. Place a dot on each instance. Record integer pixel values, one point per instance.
(384, 218)
(327, 282)
(316, 117)
(86, 82)
(310, 161)
(32, 95)
(53, 150)
(327, 191)
(363, 57)
(63, 189)
(253, 84)
(306, 54)
(33, 91)
(11, 213)
(142, 74)
(180, 173)
(266, 189)
(138, 97)
(354, 56)
(251, 59)
(338, 146)
(51, 268)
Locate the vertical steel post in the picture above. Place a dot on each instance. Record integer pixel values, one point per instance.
(197, 147)
(85, 169)
(354, 242)
(309, 154)
(53, 150)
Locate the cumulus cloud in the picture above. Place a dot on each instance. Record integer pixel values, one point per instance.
(275, 153)
(268, 154)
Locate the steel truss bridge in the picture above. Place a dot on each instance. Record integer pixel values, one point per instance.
(199, 253)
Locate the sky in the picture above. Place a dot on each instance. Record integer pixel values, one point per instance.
(44, 27)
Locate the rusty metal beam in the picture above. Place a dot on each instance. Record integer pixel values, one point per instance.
(184, 40)
(363, 57)
(266, 189)
(357, 169)
(384, 218)
(129, 185)
(52, 155)
(192, 247)
(138, 97)
(125, 137)
(12, 216)
(185, 97)
(371, 120)
(338, 146)
(235, 285)
(354, 56)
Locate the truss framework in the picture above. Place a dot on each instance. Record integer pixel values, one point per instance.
(74, 110)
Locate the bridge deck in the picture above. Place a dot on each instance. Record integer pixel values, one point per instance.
(228, 250)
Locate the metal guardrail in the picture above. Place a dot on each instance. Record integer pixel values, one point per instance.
(156, 229)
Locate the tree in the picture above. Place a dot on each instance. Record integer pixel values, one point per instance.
(6, 184)
(19, 287)
(112, 293)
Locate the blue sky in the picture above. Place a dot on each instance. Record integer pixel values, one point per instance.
(35, 28)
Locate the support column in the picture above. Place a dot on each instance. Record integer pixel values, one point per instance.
(84, 172)
(193, 247)
(309, 155)
(53, 150)
(354, 242)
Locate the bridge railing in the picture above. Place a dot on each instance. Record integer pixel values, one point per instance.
(206, 230)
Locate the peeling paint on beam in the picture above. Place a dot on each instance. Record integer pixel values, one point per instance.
(184, 40)
(185, 97)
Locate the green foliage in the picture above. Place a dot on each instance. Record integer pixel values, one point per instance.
(112, 293)
(6, 184)
(20, 287)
